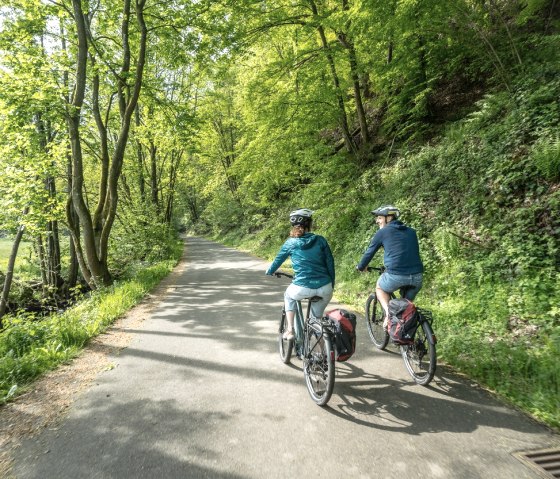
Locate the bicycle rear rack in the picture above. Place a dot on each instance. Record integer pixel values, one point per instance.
(425, 315)
(320, 325)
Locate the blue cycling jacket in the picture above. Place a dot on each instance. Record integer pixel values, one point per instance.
(312, 260)
(401, 250)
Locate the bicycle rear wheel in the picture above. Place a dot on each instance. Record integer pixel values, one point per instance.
(284, 345)
(420, 357)
(318, 366)
(374, 321)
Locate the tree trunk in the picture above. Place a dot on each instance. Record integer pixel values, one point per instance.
(192, 204)
(72, 270)
(122, 140)
(154, 177)
(72, 216)
(227, 145)
(348, 141)
(53, 245)
(10, 272)
(353, 60)
(105, 160)
(362, 120)
(40, 251)
(176, 157)
(98, 270)
(140, 158)
(95, 230)
(50, 256)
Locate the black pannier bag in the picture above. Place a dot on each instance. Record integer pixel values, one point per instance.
(403, 320)
(344, 329)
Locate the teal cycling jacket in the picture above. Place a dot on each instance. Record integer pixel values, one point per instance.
(312, 260)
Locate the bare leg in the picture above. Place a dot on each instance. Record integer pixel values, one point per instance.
(383, 298)
(290, 318)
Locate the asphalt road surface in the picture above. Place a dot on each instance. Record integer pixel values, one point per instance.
(201, 392)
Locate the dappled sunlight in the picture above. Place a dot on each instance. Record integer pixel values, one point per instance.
(191, 364)
(115, 443)
(241, 316)
(201, 392)
(226, 265)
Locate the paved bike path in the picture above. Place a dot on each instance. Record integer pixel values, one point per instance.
(201, 392)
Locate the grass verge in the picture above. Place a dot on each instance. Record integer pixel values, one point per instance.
(31, 346)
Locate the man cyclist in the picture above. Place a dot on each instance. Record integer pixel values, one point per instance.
(401, 256)
(313, 265)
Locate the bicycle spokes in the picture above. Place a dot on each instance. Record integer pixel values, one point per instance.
(420, 356)
(375, 322)
(318, 367)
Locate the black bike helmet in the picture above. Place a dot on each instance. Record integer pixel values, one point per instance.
(302, 217)
(387, 210)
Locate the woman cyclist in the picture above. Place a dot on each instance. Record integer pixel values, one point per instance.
(313, 265)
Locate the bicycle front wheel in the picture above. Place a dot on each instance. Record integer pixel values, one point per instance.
(318, 366)
(374, 322)
(420, 356)
(284, 345)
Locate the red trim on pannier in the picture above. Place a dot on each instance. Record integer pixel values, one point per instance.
(403, 320)
(344, 328)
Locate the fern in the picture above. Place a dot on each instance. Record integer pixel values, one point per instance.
(546, 156)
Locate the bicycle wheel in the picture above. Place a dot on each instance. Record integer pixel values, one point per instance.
(284, 345)
(374, 321)
(318, 366)
(420, 357)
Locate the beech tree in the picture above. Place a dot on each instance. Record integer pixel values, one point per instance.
(96, 224)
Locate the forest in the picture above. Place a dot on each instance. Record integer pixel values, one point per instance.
(125, 124)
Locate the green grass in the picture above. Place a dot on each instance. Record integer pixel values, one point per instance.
(30, 347)
(6, 249)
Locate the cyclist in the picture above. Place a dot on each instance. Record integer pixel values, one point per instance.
(313, 265)
(401, 256)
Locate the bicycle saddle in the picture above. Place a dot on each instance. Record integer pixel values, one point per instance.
(314, 299)
(406, 287)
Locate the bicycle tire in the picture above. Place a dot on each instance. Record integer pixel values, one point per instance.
(318, 366)
(420, 357)
(285, 346)
(374, 322)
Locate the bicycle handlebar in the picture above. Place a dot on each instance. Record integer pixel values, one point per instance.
(279, 275)
(380, 269)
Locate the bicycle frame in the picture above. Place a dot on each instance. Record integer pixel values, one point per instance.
(419, 356)
(299, 322)
(314, 346)
(302, 323)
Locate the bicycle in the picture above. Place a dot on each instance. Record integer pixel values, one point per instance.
(420, 356)
(313, 343)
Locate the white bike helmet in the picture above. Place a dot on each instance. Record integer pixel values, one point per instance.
(387, 210)
(302, 216)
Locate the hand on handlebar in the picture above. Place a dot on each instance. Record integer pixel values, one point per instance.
(370, 269)
(279, 275)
